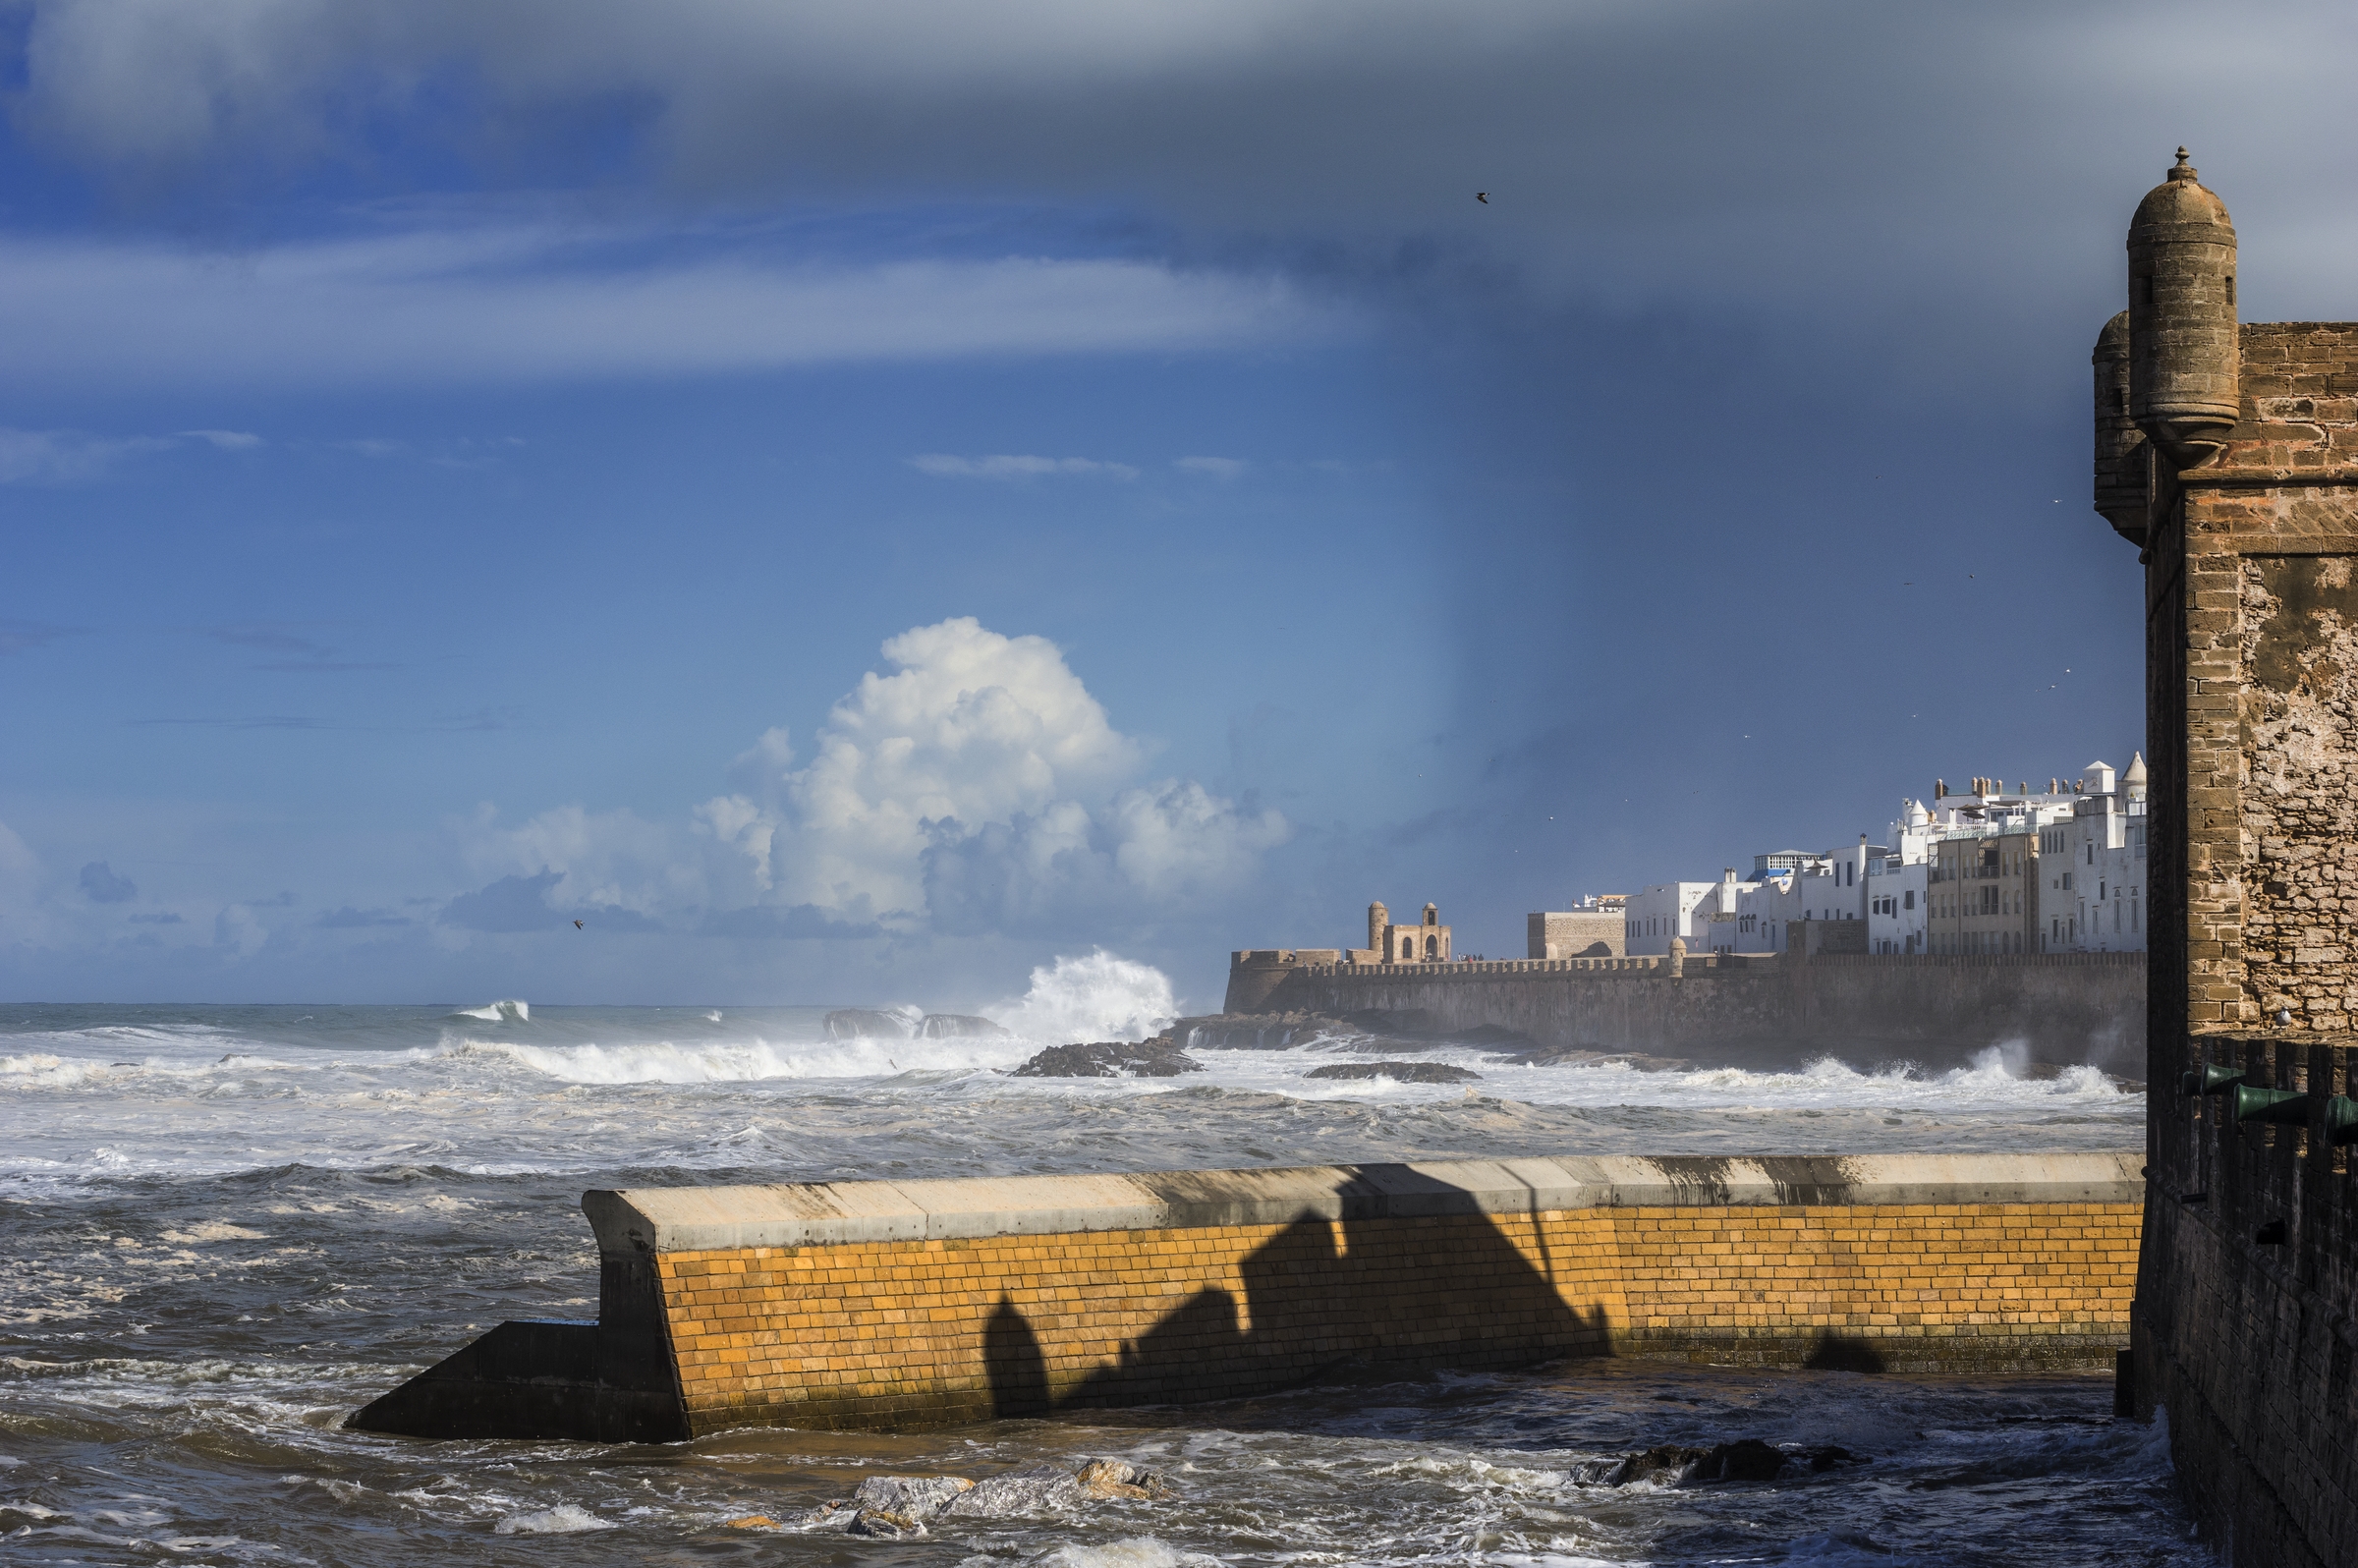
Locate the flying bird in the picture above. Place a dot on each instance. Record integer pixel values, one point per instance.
(577, 926)
(1483, 197)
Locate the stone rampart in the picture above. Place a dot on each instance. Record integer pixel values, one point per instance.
(2063, 1007)
(902, 1304)
(2243, 1327)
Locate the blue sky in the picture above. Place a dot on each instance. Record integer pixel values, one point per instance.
(852, 502)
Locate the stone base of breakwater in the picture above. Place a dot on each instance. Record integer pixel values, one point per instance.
(1765, 1011)
(905, 1304)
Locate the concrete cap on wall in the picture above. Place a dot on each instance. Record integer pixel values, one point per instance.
(665, 1219)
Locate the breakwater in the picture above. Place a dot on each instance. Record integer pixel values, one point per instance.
(2063, 1007)
(914, 1304)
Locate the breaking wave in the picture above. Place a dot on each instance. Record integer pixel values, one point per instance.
(508, 1011)
(1097, 997)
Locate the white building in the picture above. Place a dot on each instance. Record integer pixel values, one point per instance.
(1664, 911)
(2088, 870)
(2091, 897)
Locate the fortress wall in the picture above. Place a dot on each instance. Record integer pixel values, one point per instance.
(2065, 1007)
(903, 1304)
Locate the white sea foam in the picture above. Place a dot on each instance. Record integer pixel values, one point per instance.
(508, 1011)
(565, 1519)
(1133, 1551)
(744, 1061)
(1094, 997)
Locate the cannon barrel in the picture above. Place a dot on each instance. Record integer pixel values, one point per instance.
(2288, 1105)
(2210, 1080)
(2342, 1119)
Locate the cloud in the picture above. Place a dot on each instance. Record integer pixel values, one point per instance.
(64, 457)
(522, 305)
(301, 655)
(225, 440)
(166, 918)
(943, 466)
(100, 885)
(1219, 468)
(511, 904)
(21, 637)
(979, 784)
(972, 786)
(349, 918)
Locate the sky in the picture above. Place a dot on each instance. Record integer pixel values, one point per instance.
(851, 502)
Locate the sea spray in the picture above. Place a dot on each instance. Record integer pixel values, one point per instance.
(1093, 997)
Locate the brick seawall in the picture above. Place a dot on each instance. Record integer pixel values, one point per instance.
(905, 1304)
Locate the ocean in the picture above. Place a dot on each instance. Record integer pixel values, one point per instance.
(231, 1226)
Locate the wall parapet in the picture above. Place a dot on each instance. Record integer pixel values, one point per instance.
(915, 1303)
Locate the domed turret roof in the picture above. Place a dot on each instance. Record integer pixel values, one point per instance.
(2114, 338)
(2136, 772)
(2179, 198)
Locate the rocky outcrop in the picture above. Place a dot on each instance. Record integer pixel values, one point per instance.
(1152, 1058)
(1400, 1072)
(1746, 1459)
(961, 1026)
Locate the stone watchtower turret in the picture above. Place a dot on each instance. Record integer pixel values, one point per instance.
(1377, 919)
(2183, 354)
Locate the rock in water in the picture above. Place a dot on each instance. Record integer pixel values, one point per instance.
(960, 1026)
(1399, 1071)
(1034, 1488)
(866, 1022)
(917, 1496)
(1746, 1459)
(1115, 1478)
(1152, 1058)
(882, 1524)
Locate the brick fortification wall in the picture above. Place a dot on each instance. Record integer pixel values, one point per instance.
(2066, 1007)
(879, 1305)
(2229, 455)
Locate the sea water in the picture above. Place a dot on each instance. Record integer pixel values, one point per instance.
(229, 1227)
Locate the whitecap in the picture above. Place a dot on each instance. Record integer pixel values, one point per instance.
(506, 1011)
(1132, 1551)
(565, 1519)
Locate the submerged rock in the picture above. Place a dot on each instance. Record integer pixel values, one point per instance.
(1154, 1058)
(1400, 1072)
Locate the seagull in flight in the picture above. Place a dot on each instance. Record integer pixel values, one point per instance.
(577, 926)
(1483, 197)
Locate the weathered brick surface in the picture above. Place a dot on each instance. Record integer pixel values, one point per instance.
(914, 1332)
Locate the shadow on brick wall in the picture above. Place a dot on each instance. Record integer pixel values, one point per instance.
(1396, 1294)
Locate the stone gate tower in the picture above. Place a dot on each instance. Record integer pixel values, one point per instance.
(2228, 455)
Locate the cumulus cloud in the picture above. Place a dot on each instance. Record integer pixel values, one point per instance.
(976, 783)
(943, 466)
(973, 785)
(100, 885)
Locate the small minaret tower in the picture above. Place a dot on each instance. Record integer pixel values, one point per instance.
(2183, 354)
(1377, 919)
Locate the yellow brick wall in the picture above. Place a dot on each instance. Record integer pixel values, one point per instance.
(878, 1334)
